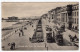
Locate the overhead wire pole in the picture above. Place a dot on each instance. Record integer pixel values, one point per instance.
(44, 22)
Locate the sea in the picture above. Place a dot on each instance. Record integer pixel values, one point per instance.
(7, 24)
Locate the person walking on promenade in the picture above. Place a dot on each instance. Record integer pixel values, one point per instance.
(19, 34)
(34, 29)
(22, 32)
(12, 46)
(45, 45)
(75, 38)
(47, 48)
(32, 25)
(71, 38)
(15, 31)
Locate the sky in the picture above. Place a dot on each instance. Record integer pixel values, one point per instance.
(27, 9)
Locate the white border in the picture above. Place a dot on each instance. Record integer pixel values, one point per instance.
(39, 1)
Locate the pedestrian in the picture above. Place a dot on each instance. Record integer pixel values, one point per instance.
(45, 45)
(47, 48)
(22, 32)
(75, 36)
(3, 47)
(34, 29)
(29, 39)
(15, 31)
(70, 38)
(8, 44)
(32, 25)
(19, 34)
(12, 46)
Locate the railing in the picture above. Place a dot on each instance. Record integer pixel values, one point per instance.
(10, 34)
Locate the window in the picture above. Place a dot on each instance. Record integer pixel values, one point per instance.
(75, 20)
(75, 13)
(73, 8)
(77, 7)
(66, 17)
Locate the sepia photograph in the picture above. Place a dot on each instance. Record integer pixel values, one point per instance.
(40, 26)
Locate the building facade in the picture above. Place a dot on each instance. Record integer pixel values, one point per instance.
(75, 16)
(68, 15)
(64, 16)
(12, 19)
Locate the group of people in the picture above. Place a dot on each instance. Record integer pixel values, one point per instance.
(21, 33)
(12, 45)
(73, 39)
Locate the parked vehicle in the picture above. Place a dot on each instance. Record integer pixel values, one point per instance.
(49, 37)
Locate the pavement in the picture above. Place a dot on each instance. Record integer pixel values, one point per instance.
(23, 43)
